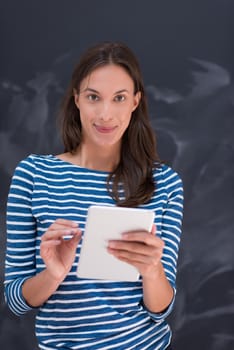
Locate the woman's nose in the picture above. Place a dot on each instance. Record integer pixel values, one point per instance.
(105, 112)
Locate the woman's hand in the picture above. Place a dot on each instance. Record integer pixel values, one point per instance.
(141, 249)
(58, 252)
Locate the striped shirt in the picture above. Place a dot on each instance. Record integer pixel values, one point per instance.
(83, 313)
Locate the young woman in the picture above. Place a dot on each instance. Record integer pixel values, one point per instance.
(110, 159)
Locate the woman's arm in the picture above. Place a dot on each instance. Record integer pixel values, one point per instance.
(154, 257)
(157, 291)
(144, 251)
(23, 287)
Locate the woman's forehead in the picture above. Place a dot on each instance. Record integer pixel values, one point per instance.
(113, 77)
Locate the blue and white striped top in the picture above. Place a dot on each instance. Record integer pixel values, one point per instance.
(81, 313)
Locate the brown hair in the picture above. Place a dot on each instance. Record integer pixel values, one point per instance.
(138, 150)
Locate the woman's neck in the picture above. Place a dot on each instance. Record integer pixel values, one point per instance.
(100, 159)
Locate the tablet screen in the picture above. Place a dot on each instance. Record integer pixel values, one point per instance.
(104, 223)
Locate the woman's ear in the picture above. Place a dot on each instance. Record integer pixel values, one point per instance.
(137, 98)
(76, 98)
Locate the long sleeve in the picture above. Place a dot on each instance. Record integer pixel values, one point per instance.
(21, 236)
(171, 231)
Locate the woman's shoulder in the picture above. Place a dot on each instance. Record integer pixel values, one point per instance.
(36, 158)
(36, 161)
(166, 173)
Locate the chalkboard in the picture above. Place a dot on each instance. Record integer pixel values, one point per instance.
(186, 52)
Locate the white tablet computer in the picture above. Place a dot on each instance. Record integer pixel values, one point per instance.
(105, 223)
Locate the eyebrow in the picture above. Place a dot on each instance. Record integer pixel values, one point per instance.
(96, 92)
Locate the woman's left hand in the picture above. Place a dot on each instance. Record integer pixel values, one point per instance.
(141, 249)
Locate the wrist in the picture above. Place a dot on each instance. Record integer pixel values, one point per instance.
(37, 289)
(52, 278)
(156, 274)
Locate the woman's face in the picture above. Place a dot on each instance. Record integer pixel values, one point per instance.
(106, 102)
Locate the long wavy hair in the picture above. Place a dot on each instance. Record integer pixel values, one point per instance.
(131, 183)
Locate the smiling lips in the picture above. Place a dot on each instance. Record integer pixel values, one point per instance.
(105, 129)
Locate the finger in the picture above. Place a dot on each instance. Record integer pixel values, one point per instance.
(59, 234)
(153, 230)
(75, 239)
(50, 243)
(134, 247)
(135, 258)
(143, 237)
(63, 223)
(55, 240)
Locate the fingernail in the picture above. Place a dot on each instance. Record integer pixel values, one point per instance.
(74, 224)
(125, 235)
(69, 232)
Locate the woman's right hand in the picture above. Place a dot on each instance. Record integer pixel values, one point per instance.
(58, 253)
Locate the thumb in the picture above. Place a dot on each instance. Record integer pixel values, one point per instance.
(75, 239)
(153, 230)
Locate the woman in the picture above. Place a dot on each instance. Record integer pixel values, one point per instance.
(110, 159)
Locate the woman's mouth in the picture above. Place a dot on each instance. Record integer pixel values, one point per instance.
(105, 129)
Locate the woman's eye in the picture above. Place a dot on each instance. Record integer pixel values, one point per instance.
(93, 97)
(120, 98)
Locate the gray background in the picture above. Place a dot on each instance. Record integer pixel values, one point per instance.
(186, 52)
